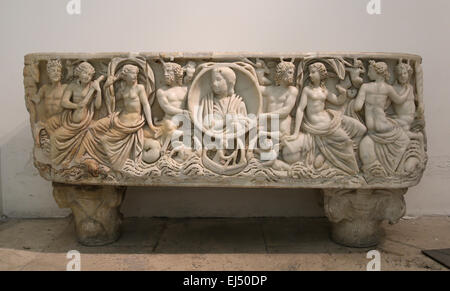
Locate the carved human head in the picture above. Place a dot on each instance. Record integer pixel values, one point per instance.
(189, 68)
(317, 72)
(223, 81)
(360, 65)
(260, 63)
(54, 70)
(403, 72)
(84, 72)
(129, 73)
(378, 69)
(284, 73)
(173, 74)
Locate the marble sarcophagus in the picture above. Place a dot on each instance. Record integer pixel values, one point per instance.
(350, 124)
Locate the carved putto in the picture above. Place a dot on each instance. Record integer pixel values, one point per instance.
(351, 120)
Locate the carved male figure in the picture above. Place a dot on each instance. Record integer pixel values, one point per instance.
(172, 99)
(189, 70)
(382, 148)
(261, 70)
(280, 99)
(335, 135)
(52, 95)
(172, 96)
(278, 102)
(355, 73)
(352, 82)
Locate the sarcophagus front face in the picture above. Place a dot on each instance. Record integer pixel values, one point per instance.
(328, 120)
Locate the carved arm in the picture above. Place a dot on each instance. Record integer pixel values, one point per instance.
(361, 98)
(95, 88)
(338, 100)
(37, 98)
(65, 102)
(284, 111)
(147, 109)
(299, 116)
(395, 97)
(165, 104)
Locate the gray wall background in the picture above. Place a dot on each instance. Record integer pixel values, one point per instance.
(412, 26)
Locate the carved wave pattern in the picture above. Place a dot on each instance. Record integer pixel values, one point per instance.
(400, 155)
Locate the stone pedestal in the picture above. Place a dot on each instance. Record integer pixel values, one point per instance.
(356, 215)
(248, 120)
(95, 209)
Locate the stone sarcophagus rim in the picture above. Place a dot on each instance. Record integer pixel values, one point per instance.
(351, 124)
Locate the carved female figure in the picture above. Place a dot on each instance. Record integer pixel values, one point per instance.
(224, 114)
(405, 115)
(223, 100)
(381, 150)
(335, 135)
(405, 112)
(116, 138)
(66, 142)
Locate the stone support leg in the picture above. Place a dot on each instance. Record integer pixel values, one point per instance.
(356, 215)
(95, 209)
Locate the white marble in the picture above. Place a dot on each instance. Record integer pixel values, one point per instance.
(317, 120)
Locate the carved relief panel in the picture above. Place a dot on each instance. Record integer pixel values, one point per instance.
(305, 120)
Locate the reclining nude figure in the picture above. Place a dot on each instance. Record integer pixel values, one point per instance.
(335, 136)
(114, 139)
(381, 150)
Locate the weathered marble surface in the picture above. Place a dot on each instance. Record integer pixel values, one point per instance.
(333, 121)
(345, 120)
(95, 209)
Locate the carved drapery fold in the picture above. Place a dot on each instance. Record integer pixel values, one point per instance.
(305, 120)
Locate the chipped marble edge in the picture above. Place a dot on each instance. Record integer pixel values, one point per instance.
(225, 183)
(224, 56)
(220, 55)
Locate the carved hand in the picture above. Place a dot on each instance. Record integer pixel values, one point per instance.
(110, 81)
(158, 131)
(185, 112)
(341, 90)
(96, 85)
(291, 137)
